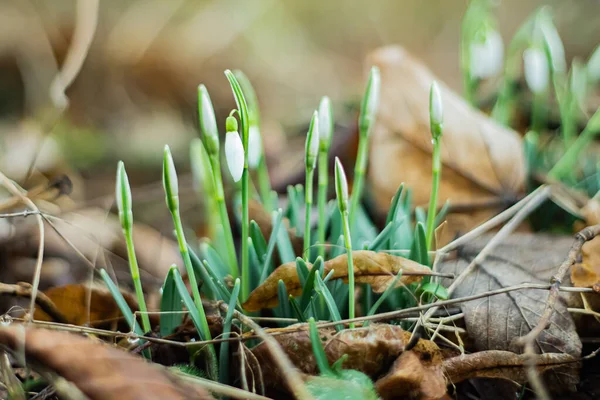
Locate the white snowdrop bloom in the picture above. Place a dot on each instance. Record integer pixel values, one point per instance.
(254, 146)
(234, 154)
(536, 69)
(487, 57)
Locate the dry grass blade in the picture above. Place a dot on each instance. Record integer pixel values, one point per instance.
(99, 371)
(376, 269)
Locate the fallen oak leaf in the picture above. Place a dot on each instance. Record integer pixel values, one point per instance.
(376, 269)
(98, 370)
(500, 364)
(482, 159)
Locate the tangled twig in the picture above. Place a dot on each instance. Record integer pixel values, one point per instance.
(527, 341)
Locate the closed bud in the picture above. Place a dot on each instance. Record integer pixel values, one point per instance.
(208, 122)
(536, 69)
(170, 182)
(234, 155)
(312, 142)
(436, 111)
(325, 123)
(341, 186)
(123, 197)
(370, 102)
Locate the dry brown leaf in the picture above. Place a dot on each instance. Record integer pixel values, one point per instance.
(482, 160)
(72, 300)
(414, 378)
(371, 350)
(376, 269)
(99, 371)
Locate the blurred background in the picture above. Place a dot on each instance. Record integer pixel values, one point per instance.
(136, 90)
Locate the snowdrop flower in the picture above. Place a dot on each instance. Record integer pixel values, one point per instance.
(325, 123)
(234, 149)
(487, 57)
(254, 146)
(536, 70)
(436, 110)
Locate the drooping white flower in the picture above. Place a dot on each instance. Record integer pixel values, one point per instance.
(536, 69)
(486, 58)
(254, 146)
(234, 154)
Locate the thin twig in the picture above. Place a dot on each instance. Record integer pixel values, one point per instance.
(12, 188)
(529, 339)
(294, 378)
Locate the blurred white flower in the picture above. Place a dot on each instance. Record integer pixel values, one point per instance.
(536, 69)
(487, 57)
(254, 146)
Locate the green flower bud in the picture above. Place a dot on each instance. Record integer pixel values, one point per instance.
(341, 186)
(312, 142)
(208, 122)
(170, 182)
(325, 123)
(123, 195)
(436, 111)
(370, 103)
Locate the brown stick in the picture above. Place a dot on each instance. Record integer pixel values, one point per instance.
(528, 340)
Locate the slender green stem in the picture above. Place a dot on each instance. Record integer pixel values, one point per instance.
(137, 283)
(359, 176)
(187, 262)
(322, 200)
(245, 235)
(348, 244)
(436, 172)
(224, 216)
(308, 199)
(538, 112)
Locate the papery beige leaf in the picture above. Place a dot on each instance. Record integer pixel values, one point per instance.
(376, 269)
(481, 159)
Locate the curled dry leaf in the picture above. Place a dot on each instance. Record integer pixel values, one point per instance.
(500, 364)
(495, 322)
(376, 269)
(482, 160)
(99, 371)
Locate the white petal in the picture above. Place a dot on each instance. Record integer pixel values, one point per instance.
(254, 146)
(436, 108)
(234, 154)
(536, 70)
(487, 57)
(325, 120)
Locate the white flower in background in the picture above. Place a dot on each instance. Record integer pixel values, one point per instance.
(254, 146)
(234, 154)
(593, 66)
(487, 57)
(536, 69)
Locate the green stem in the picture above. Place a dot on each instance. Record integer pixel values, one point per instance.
(137, 283)
(538, 112)
(224, 216)
(187, 262)
(348, 244)
(308, 199)
(245, 234)
(359, 176)
(436, 169)
(264, 184)
(322, 200)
